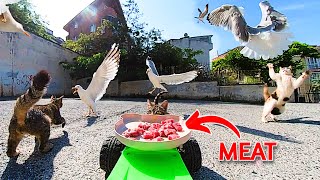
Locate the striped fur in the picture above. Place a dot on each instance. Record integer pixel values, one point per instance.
(26, 120)
(155, 108)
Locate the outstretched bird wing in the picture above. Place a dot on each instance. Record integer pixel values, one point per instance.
(230, 17)
(205, 11)
(278, 18)
(106, 72)
(152, 66)
(175, 79)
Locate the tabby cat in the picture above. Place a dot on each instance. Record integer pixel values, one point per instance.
(286, 84)
(156, 108)
(53, 110)
(26, 120)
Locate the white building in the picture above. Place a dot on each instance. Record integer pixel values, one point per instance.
(202, 43)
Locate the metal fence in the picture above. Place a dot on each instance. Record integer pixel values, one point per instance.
(230, 77)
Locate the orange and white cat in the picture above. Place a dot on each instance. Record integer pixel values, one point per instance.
(286, 84)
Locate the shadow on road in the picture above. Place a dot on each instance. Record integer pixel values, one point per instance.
(207, 174)
(37, 166)
(91, 121)
(269, 135)
(300, 121)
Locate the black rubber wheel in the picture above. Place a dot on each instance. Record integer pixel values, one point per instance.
(191, 154)
(110, 153)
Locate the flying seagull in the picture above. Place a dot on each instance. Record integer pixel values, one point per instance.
(173, 79)
(267, 40)
(106, 72)
(7, 22)
(202, 14)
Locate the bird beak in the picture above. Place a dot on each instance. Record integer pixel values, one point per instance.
(74, 90)
(27, 34)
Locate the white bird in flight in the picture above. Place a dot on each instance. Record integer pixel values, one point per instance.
(173, 79)
(202, 14)
(267, 40)
(7, 22)
(106, 72)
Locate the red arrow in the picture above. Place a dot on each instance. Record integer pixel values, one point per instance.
(194, 122)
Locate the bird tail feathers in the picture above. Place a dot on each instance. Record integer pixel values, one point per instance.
(267, 45)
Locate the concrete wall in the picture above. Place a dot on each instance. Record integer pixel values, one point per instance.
(198, 90)
(195, 90)
(243, 93)
(21, 57)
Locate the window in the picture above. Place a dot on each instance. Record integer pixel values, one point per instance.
(93, 11)
(93, 28)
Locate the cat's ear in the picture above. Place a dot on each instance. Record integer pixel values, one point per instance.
(290, 67)
(52, 98)
(164, 104)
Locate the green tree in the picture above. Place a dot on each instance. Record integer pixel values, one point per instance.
(93, 43)
(294, 57)
(24, 13)
(136, 43)
(170, 59)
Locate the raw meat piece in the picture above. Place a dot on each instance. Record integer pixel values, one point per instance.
(177, 126)
(170, 131)
(147, 135)
(131, 133)
(159, 139)
(144, 125)
(173, 136)
(155, 131)
(156, 125)
(167, 121)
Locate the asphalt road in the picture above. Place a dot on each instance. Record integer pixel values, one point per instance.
(77, 146)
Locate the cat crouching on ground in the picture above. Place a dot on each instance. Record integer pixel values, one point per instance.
(286, 84)
(26, 120)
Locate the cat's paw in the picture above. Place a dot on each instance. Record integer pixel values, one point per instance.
(270, 65)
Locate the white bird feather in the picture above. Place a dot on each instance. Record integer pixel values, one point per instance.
(7, 22)
(203, 13)
(173, 79)
(267, 40)
(101, 79)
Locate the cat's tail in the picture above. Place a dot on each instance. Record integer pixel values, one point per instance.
(156, 99)
(31, 96)
(266, 94)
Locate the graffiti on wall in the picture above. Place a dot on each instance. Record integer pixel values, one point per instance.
(24, 81)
